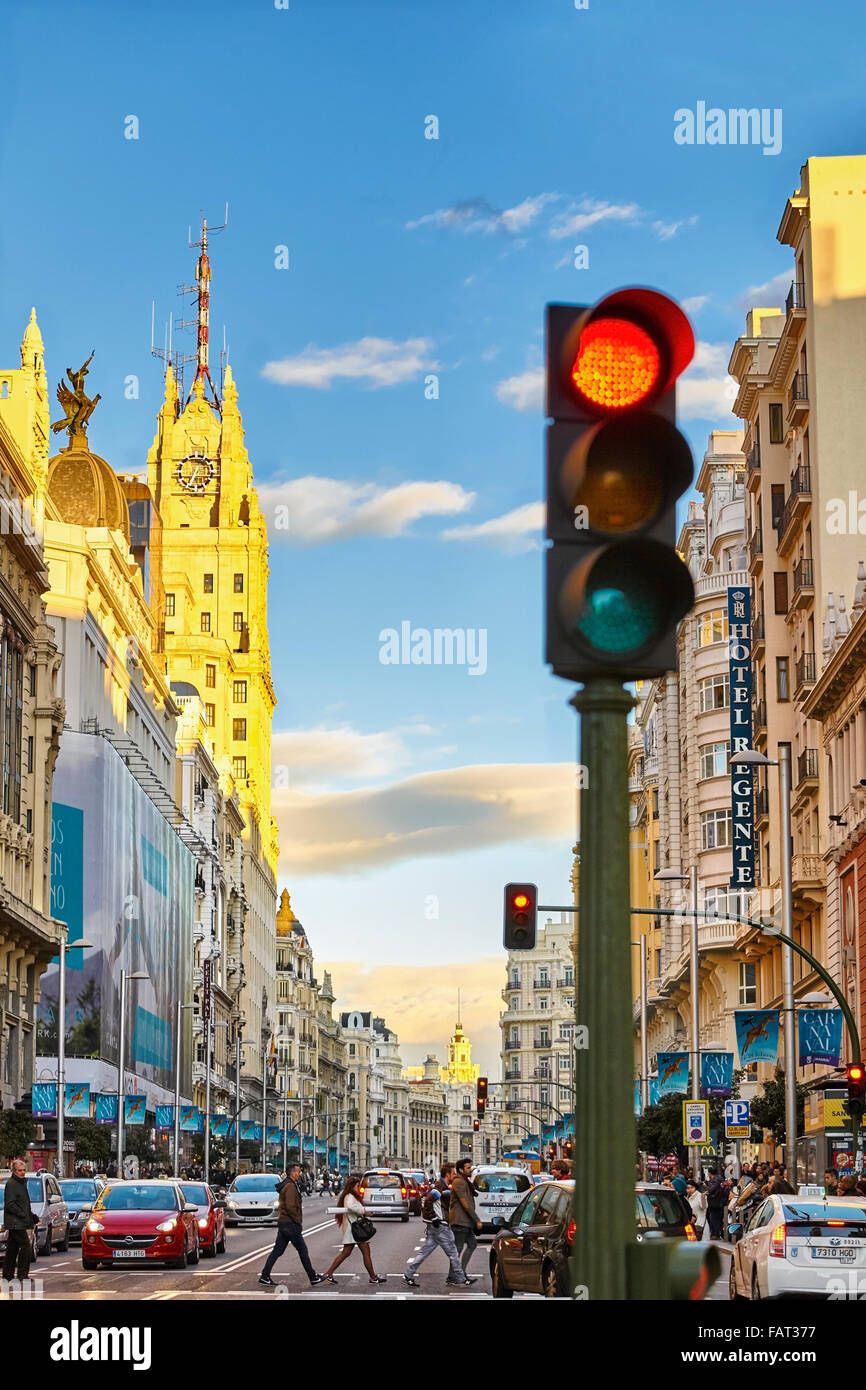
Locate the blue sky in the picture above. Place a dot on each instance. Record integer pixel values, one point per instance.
(407, 256)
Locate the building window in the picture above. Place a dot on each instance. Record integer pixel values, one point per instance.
(210, 677)
(543, 977)
(240, 692)
(714, 693)
(11, 717)
(714, 759)
(210, 714)
(727, 903)
(565, 1031)
(30, 754)
(238, 622)
(542, 1002)
(780, 592)
(569, 1001)
(748, 982)
(655, 803)
(467, 1102)
(239, 733)
(208, 583)
(569, 974)
(239, 583)
(782, 686)
(712, 627)
(32, 680)
(777, 434)
(656, 856)
(715, 829)
(169, 605)
(565, 1061)
(239, 769)
(777, 503)
(205, 622)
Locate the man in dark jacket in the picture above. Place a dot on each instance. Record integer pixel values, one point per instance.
(290, 1228)
(462, 1215)
(19, 1221)
(717, 1199)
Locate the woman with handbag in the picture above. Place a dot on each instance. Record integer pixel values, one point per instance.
(357, 1229)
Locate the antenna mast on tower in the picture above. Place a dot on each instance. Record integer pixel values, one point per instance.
(201, 323)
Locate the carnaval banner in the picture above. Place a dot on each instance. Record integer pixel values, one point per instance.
(219, 1126)
(106, 1108)
(820, 1036)
(77, 1101)
(757, 1035)
(250, 1130)
(43, 1100)
(717, 1073)
(165, 1117)
(673, 1069)
(134, 1110)
(191, 1119)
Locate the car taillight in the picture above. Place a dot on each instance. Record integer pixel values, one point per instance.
(690, 1231)
(569, 1235)
(402, 1192)
(777, 1242)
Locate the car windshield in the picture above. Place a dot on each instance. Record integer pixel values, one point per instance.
(255, 1182)
(136, 1197)
(383, 1180)
(661, 1207)
(501, 1182)
(195, 1192)
(76, 1191)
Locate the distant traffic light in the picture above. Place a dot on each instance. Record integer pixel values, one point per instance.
(520, 914)
(476, 1124)
(856, 1077)
(616, 464)
(568, 1148)
(481, 1096)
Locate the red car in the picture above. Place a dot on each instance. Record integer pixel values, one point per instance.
(140, 1222)
(211, 1217)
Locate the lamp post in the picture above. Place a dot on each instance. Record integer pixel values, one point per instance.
(125, 975)
(239, 1043)
(752, 758)
(65, 946)
(671, 875)
(644, 1046)
(211, 1026)
(177, 1055)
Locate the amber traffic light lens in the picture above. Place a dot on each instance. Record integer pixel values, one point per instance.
(618, 364)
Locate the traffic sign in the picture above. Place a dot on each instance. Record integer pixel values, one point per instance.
(737, 1119)
(696, 1121)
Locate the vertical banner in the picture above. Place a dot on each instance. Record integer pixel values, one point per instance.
(205, 994)
(165, 1117)
(820, 1037)
(275, 1135)
(43, 1100)
(757, 1035)
(717, 1073)
(106, 1108)
(134, 1110)
(77, 1100)
(673, 1070)
(251, 1131)
(742, 779)
(219, 1126)
(191, 1119)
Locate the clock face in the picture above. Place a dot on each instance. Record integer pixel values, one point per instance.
(195, 472)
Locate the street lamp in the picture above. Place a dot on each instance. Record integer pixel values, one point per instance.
(177, 1048)
(209, 1032)
(671, 875)
(239, 1043)
(79, 945)
(125, 975)
(752, 758)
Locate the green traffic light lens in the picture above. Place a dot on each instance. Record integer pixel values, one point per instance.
(620, 600)
(622, 610)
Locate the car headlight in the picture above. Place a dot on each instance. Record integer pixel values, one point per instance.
(94, 1226)
(275, 1202)
(202, 1223)
(169, 1225)
(233, 1205)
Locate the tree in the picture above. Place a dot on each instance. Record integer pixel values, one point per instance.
(92, 1141)
(17, 1130)
(768, 1110)
(660, 1128)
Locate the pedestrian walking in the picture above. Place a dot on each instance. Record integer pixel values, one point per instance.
(290, 1228)
(830, 1183)
(716, 1200)
(462, 1215)
(697, 1200)
(19, 1221)
(438, 1234)
(350, 1200)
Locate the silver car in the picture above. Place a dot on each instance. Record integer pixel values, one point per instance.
(252, 1199)
(80, 1195)
(46, 1201)
(385, 1193)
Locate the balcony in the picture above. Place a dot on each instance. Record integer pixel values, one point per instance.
(515, 1104)
(804, 677)
(635, 785)
(807, 871)
(512, 1075)
(541, 983)
(753, 465)
(565, 984)
(762, 804)
(795, 508)
(796, 297)
(541, 1040)
(511, 1045)
(798, 399)
(758, 633)
(756, 550)
(807, 767)
(760, 715)
(804, 585)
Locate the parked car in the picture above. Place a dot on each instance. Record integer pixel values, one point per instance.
(211, 1217)
(416, 1196)
(532, 1247)
(4, 1234)
(80, 1196)
(499, 1190)
(49, 1207)
(384, 1193)
(801, 1246)
(252, 1198)
(141, 1221)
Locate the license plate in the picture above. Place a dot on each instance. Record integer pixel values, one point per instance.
(129, 1255)
(847, 1254)
(251, 1218)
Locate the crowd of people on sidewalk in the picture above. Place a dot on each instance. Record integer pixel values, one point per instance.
(722, 1205)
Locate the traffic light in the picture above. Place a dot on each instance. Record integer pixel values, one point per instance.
(616, 464)
(856, 1076)
(476, 1125)
(567, 1148)
(520, 913)
(481, 1096)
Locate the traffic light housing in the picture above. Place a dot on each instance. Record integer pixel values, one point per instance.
(616, 465)
(520, 916)
(567, 1148)
(476, 1124)
(480, 1096)
(856, 1078)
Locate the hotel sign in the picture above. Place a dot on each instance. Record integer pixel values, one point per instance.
(742, 775)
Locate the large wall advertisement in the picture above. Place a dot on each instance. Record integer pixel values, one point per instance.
(123, 880)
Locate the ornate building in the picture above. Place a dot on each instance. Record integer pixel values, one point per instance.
(215, 572)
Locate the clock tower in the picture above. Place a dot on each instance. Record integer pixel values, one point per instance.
(215, 573)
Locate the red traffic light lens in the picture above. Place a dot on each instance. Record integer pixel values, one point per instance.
(520, 900)
(618, 364)
(855, 1073)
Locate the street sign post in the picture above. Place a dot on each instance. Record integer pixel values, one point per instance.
(696, 1122)
(737, 1119)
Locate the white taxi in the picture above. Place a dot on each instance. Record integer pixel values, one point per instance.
(802, 1245)
(498, 1189)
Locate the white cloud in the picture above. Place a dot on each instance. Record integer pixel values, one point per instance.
(324, 754)
(770, 295)
(665, 230)
(706, 391)
(523, 392)
(477, 215)
(375, 361)
(322, 510)
(588, 213)
(695, 304)
(453, 811)
(515, 531)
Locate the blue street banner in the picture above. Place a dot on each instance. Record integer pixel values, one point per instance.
(757, 1035)
(134, 1110)
(106, 1108)
(820, 1036)
(653, 1090)
(219, 1126)
(673, 1069)
(638, 1108)
(250, 1130)
(43, 1101)
(77, 1100)
(742, 778)
(275, 1135)
(191, 1119)
(165, 1117)
(717, 1073)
